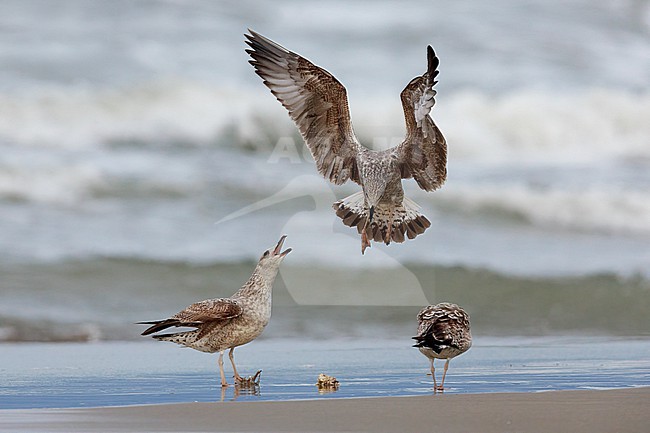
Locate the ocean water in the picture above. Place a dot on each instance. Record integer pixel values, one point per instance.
(144, 166)
(128, 373)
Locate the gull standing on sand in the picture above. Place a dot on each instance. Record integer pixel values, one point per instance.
(443, 333)
(317, 102)
(226, 323)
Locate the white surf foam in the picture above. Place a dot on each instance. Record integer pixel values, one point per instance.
(535, 126)
(590, 209)
(520, 125)
(156, 112)
(63, 185)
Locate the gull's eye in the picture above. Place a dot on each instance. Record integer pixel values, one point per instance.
(266, 254)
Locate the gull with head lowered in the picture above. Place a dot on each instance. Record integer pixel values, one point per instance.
(444, 332)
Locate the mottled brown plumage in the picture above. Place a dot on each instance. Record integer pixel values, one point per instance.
(226, 323)
(444, 332)
(317, 103)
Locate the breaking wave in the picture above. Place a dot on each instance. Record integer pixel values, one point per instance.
(590, 209)
(523, 124)
(67, 146)
(527, 125)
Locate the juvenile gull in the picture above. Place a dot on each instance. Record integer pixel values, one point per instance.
(226, 323)
(443, 333)
(317, 103)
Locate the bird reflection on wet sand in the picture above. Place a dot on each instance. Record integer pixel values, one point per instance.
(247, 386)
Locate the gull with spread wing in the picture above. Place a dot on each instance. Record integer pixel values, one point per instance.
(226, 323)
(317, 102)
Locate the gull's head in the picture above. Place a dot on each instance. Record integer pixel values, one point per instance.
(272, 257)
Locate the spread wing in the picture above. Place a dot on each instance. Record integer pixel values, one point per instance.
(317, 102)
(209, 312)
(423, 154)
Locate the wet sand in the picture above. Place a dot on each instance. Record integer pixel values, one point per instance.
(588, 385)
(576, 411)
(49, 376)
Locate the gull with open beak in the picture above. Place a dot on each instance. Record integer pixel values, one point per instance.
(226, 323)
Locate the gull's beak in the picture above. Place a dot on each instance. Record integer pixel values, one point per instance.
(278, 247)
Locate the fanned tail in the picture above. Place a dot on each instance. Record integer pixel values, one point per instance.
(407, 221)
(352, 210)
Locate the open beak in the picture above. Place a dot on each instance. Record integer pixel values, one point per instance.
(278, 247)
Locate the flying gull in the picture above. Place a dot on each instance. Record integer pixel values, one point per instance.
(317, 103)
(226, 323)
(443, 333)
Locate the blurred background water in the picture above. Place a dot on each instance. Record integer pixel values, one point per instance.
(131, 131)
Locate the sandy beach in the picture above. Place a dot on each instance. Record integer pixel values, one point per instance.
(574, 411)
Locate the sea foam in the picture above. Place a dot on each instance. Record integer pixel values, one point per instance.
(524, 124)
